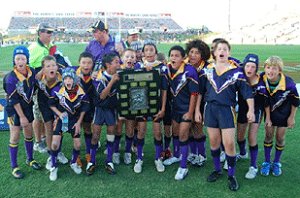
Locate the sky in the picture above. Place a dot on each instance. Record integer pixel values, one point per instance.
(187, 13)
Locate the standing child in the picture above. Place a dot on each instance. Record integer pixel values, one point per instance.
(19, 87)
(283, 102)
(221, 81)
(250, 66)
(47, 78)
(198, 54)
(182, 79)
(69, 103)
(105, 111)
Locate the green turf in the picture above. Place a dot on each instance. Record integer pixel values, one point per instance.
(149, 183)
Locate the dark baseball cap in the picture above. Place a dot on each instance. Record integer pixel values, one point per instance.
(100, 25)
(45, 27)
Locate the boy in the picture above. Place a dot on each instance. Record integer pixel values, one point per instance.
(47, 79)
(105, 111)
(19, 87)
(250, 67)
(219, 83)
(283, 102)
(84, 73)
(198, 54)
(69, 102)
(182, 79)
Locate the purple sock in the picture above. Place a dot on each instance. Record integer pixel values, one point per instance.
(176, 146)
(158, 148)
(88, 142)
(29, 148)
(193, 145)
(109, 146)
(140, 145)
(184, 151)
(167, 142)
(222, 147)
(216, 159)
(117, 143)
(201, 146)
(75, 155)
(253, 155)
(231, 160)
(128, 143)
(268, 149)
(242, 146)
(278, 153)
(54, 158)
(93, 152)
(13, 151)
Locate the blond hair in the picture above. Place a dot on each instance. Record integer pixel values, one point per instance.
(274, 61)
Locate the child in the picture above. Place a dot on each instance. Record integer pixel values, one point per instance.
(283, 102)
(198, 54)
(47, 78)
(105, 111)
(182, 79)
(219, 84)
(19, 87)
(84, 73)
(150, 52)
(69, 102)
(250, 67)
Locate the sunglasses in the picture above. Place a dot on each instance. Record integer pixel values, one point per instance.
(47, 31)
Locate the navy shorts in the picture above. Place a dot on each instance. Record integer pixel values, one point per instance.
(219, 116)
(167, 119)
(89, 115)
(105, 116)
(15, 119)
(58, 131)
(276, 121)
(178, 118)
(242, 116)
(47, 113)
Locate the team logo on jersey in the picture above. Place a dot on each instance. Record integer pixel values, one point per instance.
(21, 92)
(283, 97)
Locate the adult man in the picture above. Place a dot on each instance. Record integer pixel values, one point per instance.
(102, 43)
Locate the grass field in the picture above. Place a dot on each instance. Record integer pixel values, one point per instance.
(150, 183)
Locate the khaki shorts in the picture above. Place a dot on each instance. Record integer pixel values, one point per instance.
(36, 111)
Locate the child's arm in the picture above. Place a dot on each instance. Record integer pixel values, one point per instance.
(198, 116)
(250, 113)
(57, 112)
(161, 112)
(39, 75)
(192, 105)
(23, 120)
(291, 118)
(107, 89)
(268, 122)
(78, 123)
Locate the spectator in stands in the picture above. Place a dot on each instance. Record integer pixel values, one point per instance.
(102, 44)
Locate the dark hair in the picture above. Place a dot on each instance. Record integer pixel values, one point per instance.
(48, 58)
(85, 55)
(108, 58)
(223, 41)
(150, 44)
(201, 46)
(216, 40)
(178, 48)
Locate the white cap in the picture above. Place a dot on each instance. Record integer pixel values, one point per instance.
(133, 31)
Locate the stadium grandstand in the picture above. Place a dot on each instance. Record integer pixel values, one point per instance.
(23, 22)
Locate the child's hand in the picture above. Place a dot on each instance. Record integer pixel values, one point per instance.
(62, 115)
(291, 122)
(268, 122)
(250, 116)
(187, 116)
(159, 115)
(24, 121)
(148, 68)
(77, 128)
(115, 78)
(198, 117)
